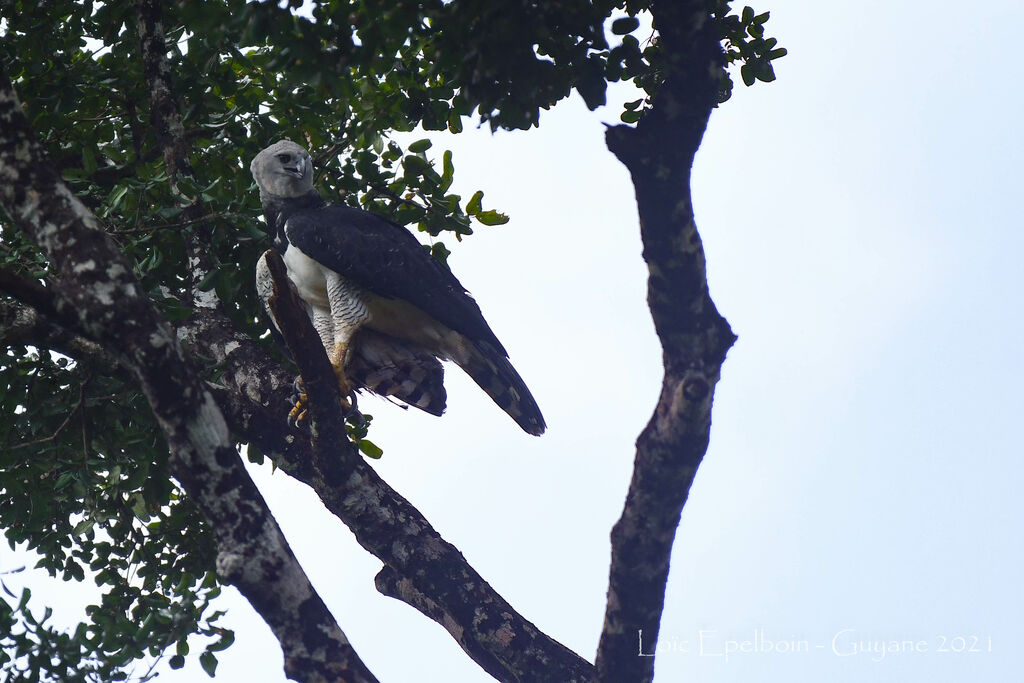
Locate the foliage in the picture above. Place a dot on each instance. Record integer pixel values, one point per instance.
(85, 482)
(745, 42)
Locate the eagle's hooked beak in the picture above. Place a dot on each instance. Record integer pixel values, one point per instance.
(298, 170)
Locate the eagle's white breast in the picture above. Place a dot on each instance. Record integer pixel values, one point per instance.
(308, 277)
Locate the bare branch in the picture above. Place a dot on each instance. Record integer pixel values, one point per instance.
(95, 287)
(659, 153)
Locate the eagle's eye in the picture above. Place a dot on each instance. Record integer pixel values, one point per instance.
(284, 158)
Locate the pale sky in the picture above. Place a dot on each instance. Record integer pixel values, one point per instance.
(861, 225)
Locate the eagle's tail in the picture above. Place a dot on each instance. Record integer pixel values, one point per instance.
(399, 370)
(493, 372)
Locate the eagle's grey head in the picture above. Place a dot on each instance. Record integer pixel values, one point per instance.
(283, 170)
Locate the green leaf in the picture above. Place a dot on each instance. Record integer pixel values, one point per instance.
(448, 171)
(176, 662)
(139, 506)
(83, 526)
(226, 639)
(440, 252)
(475, 203)
(766, 72)
(420, 146)
(454, 122)
(89, 159)
(63, 480)
(492, 217)
(415, 165)
(748, 74)
(117, 197)
(254, 454)
(208, 661)
(369, 449)
(625, 25)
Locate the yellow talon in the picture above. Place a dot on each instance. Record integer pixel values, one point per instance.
(298, 415)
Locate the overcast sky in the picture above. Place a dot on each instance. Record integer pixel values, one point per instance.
(861, 222)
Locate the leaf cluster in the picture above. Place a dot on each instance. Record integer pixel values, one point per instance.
(86, 486)
(745, 44)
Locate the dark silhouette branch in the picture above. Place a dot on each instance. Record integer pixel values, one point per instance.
(659, 154)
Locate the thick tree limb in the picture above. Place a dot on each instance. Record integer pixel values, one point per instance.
(171, 139)
(40, 324)
(95, 287)
(659, 153)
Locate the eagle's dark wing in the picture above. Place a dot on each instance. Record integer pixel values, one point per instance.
(385, 259)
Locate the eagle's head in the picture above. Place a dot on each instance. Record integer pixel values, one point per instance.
(283, 170)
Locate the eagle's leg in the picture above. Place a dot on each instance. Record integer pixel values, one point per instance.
(338, 359)
(336, 326)
(348, 313)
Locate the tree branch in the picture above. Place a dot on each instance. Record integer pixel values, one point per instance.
(307, 349)
(26, 326)
(659, 154)
(171, 138)
(95, 287)
(422, 568)
(28, 291)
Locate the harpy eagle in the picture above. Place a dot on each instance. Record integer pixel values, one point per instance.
(386, 311)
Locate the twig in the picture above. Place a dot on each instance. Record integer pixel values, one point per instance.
(79, 406)
(175, 224)
(51, 437)
(85, 437)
